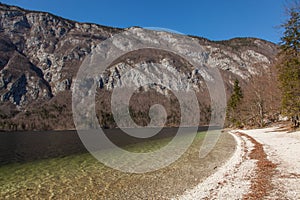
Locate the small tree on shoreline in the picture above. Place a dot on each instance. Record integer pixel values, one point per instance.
(232, 113)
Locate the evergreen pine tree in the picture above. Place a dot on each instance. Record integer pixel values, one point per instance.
(233, 103)
(289, 65)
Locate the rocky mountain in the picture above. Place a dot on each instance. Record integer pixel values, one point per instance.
(41, 54)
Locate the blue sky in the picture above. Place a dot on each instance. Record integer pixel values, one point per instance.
(213, 19)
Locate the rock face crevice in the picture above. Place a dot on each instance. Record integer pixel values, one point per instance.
(40, 54)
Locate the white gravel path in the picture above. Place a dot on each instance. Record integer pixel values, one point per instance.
(233, 179)
(282, 149)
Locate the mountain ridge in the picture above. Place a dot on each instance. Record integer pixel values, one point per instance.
(41, 53)
(93, 23)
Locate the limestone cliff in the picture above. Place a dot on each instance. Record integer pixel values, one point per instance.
(40, 54)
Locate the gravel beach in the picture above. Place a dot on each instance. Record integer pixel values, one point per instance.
(265, 165)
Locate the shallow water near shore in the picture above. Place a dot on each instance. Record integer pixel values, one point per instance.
(82, 176)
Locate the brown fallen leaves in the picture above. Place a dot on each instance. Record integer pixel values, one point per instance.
(261, 183)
